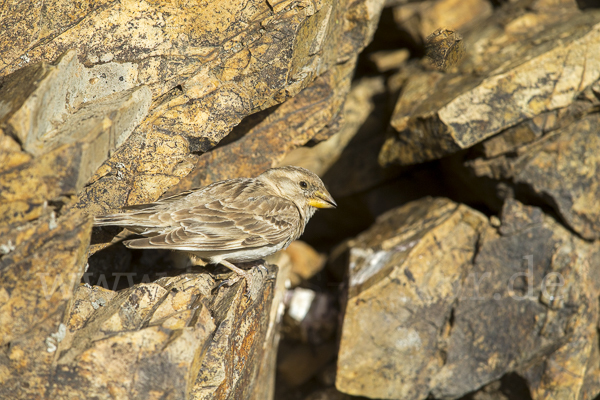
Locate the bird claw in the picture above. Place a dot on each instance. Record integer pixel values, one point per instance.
(234, 279)
(250, 278)
(224, 282)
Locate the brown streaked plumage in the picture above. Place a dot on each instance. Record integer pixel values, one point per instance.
(231, 221)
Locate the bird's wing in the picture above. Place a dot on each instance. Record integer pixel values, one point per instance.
(156, 217)
(239, 223)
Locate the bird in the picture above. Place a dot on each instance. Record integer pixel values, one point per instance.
(231, 221)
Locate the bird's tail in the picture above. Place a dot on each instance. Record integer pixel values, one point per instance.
(136, 215)
(124, 220)
(111, 219)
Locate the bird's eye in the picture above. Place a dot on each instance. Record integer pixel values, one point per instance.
(303, 184)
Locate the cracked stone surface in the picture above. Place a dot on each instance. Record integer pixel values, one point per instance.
(104, 104)
(555, 158)
(432, 282)
(514, 70)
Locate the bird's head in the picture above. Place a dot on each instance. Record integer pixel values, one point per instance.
(299, 185)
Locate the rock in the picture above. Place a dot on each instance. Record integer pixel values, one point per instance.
(108, 104)
(55, 133)
(299, 303)
(265, 142)
(204, 78)
(445, 48)
(494, 391)
(47, 106)
(68, 127)
(559, 167)
(138, 327)
(591, 381)
(513, 71)
(172, 337)
(11, 154)
(139, 172)
(171, 47)
(233, 359)
(39, 274)
(377, 258)
(437, 280)
(421, 19)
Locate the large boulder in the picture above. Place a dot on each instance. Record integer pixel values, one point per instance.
(441, 302)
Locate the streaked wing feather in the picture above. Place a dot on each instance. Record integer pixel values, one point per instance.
(219, 225)
(158, 214)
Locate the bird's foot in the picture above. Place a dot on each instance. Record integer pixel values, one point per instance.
(234, 278)
(239, 274)
(254, 278)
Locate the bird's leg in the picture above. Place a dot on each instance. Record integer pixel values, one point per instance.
(235, 269)
(241, 273)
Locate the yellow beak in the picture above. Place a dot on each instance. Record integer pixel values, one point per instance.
(322, 200)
